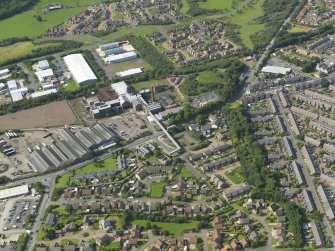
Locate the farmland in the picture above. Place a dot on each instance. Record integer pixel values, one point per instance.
(26, 23)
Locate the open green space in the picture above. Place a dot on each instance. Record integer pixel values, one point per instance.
(185, 7)
(216, 4)
(71, 86)
(185, 173)
(157, 190)
(148, 84)
(299, 28)
(246, 20)
(26, 23)
(235, 176)
(174, 228)
(21, 49)
(208, 77)
(108, 164)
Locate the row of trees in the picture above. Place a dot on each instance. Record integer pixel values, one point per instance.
(253, 168)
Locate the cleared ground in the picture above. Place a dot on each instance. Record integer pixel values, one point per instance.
(49, 115)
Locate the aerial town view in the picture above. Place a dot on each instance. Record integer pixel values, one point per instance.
(165, 125)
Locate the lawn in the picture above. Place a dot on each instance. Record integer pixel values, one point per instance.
(216, 4)
(185, 173)
(235, 176)
(174, 228)
(157, 190)
(246, 19)
(299, 28)
(63, 180)
(117, 220)
(107, 164)
(206, 77)
(26, 24)
(148, 84)
(71, 86)
(185, 7)
(21, 49)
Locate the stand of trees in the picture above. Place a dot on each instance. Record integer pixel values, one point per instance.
(253, 168)
(11, 7)
(275, 11)
(287, 38)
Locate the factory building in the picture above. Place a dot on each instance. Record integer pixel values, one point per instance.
(70, 147)
(120, 57)
(80, 70)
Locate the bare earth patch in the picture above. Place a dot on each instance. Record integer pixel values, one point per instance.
(49, 115)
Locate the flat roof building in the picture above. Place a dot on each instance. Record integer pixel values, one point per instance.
(80, 70)
(120, 57)
(276, 70)
(129, 72)
(14, 191)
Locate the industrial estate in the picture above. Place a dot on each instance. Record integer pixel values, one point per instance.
(167, 125)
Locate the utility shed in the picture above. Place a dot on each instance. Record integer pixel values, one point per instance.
(80, 70)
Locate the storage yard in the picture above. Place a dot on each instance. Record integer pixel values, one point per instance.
(49, 115)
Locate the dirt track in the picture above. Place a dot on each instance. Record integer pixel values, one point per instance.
(49, 115)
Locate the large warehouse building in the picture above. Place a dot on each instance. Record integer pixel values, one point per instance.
(80, 70)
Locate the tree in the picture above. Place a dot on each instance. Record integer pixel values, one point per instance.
(50, 234)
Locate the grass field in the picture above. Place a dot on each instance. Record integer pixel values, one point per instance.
(206, 77)
(185, 7)
(246, 20)
(107, 164)
(21, 49)
(235, 176)
(72, 86)
(185, 173)
(216, 4)
(157, 190)
(174, 228)
(299, 28)
(148, 84)
(26, 24)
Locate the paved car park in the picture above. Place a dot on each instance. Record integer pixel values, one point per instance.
(16, 211)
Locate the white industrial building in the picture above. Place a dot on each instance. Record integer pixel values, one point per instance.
(120, 57)
(276, 70)
(12, 85)
(43, 93)
(43, 65)
(14, 191)
(43, 75)
(80, 70)
(5, 73)
(129, 72)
